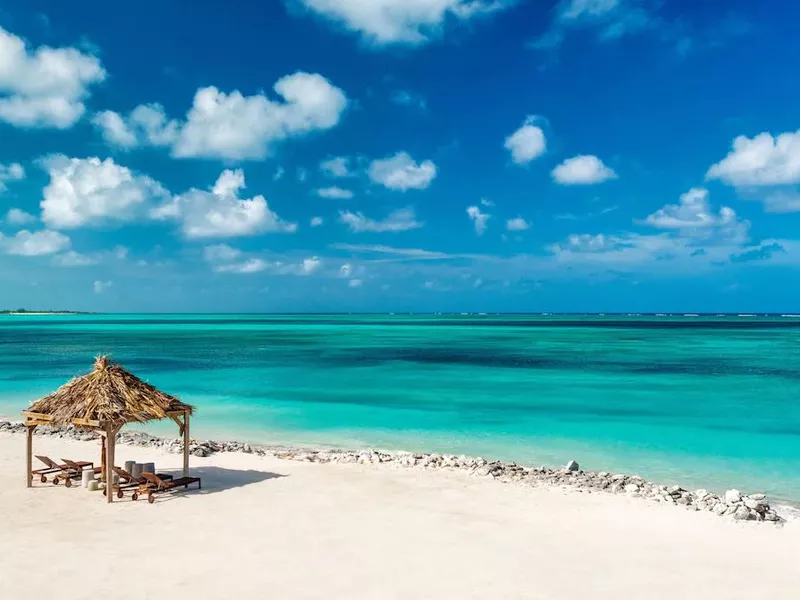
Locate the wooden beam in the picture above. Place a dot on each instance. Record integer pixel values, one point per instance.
(37, 416)
(111, 439)
(186, 444)
(87, 422)
(29, 455)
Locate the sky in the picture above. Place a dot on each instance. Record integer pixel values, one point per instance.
(400, 155)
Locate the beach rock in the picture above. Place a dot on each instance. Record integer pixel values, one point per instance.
(719, 508)
(757, 505)
(742, 513)
(733, 496)
(631, 488)
(572, 466)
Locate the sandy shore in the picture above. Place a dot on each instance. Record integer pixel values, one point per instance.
(264, 527)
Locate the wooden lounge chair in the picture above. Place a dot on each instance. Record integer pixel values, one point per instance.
(68, 471)
(156, 485)
(127, 481)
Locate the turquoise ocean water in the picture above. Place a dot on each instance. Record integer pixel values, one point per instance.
(711, 401)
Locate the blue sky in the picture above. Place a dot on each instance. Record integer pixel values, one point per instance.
(400, 155)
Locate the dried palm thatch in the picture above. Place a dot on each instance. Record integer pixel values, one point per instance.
(108, 394)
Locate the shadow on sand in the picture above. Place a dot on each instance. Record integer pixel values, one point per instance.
(214, 479)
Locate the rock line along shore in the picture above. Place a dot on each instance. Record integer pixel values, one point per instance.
(732, 504)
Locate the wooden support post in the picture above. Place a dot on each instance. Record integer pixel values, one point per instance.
(29, 454)
(186, 444)
(103, 438)
(111, 439)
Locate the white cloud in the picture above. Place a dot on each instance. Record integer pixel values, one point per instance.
(517, 224)
(479, 218)
(355, 283)
(302, 174)
(402, 219)
(582, 170)
(37, 243)
(401, 172)
(411, 22)
(91, 192)
(247, 267)
(237, 127)
(782, 201)
(612, 18)
(101, 286)
(10, 172)
(694, 217)
(693, 211)
(527, 142)
(345, 270)
(220, 253)
(587, 243)
(279, 172)
(221, 213)
(74, 259)
(316, 221)
(231, 126)
(311, 265)
(762, 160)
(16, 217)
(411, 99)
(44, 87)
(147, 124)
(487, 203)
(338, 166)
(335, 193)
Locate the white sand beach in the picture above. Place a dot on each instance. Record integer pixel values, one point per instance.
(268, 528)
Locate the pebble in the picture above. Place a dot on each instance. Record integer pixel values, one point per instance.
(753, 507)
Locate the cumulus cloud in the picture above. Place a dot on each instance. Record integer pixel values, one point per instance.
(311, 265)
(585, 242)
(409, 22)
(221, 213)
(335, 193)
(401, 172)
(44, 87)
(693, 216)
(316, 221)
(36, 243)
(232, 126)
(338, 166)
(91, 192)
(480, 219)
(10, 172)
(582, 170)
(527, 142)
(147, 124)
(761, 160)
(16, 217)
(402, 219)
(355, 283)
(101, 286)
(517, 224)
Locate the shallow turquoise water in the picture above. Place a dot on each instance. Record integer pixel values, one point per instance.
(705, 401)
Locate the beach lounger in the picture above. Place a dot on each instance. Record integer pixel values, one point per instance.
(68, 471)
(156, 485)
(128, 481)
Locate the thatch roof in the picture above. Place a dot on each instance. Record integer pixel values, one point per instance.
(108, 394)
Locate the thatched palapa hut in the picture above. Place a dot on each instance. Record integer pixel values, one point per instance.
(104, 401)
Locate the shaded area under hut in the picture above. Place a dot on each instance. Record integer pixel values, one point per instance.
(103, 401)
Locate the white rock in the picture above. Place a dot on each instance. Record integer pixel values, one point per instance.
(572, 466)
(631, 487)
(733, 496)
